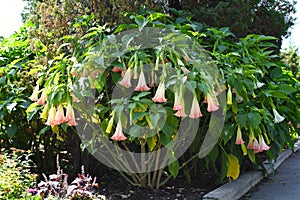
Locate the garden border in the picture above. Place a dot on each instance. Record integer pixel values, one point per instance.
(238, 188)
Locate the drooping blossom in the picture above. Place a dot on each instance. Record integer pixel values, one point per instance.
(74, 98)
(256, 146)
(35, 93)
(185, 70)
(117, 69)
(263, 144)
(44, 114)
(278, 118)
(181, 112)
(251, 144)
(60, 115)
(229, 96)
(118, 135)
(239, 139)
(176, 101)
(142, 85)
(42, 99)
(195, 109)
(70, 117)
(51, 117)
(258, 85)
(126, 81)
(160, 93)
(212, 102)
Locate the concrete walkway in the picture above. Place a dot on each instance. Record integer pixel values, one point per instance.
(284, 185)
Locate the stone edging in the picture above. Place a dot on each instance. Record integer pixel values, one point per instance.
(238, 188)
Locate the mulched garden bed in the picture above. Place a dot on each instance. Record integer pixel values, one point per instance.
(115, 188)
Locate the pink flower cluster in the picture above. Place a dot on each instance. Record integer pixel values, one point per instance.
(159, 96)
(56, 115)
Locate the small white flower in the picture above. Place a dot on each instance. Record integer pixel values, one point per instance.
(278, 117)
(258, 85)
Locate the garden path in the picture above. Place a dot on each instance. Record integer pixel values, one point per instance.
(284, 185)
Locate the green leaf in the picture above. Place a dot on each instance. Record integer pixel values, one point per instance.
(32, 110)
(140, 21)
(254, 119)
(151, 142)
(251, 155)
(43, 130)
(227, 132)
(174, 168)
(11, 106)
(11, 130)
(242, 120)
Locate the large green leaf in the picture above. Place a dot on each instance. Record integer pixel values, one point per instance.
(254, 119)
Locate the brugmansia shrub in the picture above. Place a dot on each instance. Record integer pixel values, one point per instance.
(262, 96)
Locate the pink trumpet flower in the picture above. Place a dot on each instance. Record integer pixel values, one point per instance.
(74, 98)
(51, 117)
(118, 135)
(251, 142)
(239, 139)
(180, 112)
(262, 146)
(60, 117)
(35, 93)
(142, 86)
(70, 117)
(176, 102)
(185, 70)
(195, 109)
(42, 99)
(213, 103)
(117, 69)
(126, 81)
(160, 93)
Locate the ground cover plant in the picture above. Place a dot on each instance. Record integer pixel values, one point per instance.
(15, 175)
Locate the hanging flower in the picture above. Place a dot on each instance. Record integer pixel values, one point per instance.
(126, 81)
(176, 101)
(180, 112)
(70, 117)
(262, 144)
(51, 117)
(195, 109)
(160, 93)
(251, 142)
(213, 103)
(74, 98)
(239, 139)
(35, 93)
(118, 135)
(278, 117)
(142, 86)
(256, 146)
(117, 69)
(42, 99)
(44, 114)
(185, 70)
(229, 96)
(60, 117)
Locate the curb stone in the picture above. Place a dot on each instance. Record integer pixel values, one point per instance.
(238, 188)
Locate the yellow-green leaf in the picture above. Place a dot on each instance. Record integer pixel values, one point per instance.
(152, 142)
(233, 167)
(55, 129)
